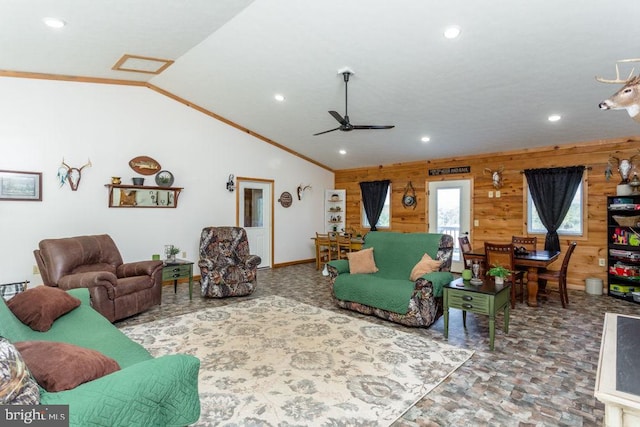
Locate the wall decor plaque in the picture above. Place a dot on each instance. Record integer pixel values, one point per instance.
(450, 171)
(285, 199)
(144, 165)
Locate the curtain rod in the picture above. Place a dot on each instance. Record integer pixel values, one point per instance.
(586, 168)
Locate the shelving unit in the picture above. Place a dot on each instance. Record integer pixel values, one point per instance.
(335, 210)
(140, 196)
(623, 257)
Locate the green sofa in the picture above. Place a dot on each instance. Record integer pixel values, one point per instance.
(388, 293)
(146, 391)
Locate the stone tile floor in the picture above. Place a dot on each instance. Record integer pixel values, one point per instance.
(542, 373)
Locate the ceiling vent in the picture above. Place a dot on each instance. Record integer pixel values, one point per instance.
(142, 64)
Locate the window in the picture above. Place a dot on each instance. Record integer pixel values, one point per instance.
(572, 224)
(385, 217)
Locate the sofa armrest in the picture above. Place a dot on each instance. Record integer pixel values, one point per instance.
(252, 261)
(436, 281)
(206, 263)
(160, 391)
(337, 267)
(138, 268)
(90, 279)
(445, 252)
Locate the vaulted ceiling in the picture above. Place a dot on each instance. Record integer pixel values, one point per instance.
(490, 89)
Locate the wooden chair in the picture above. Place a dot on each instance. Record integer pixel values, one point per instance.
(530, 244)
(502, 255)
(323, 250)
(343, 242)
(465, 248)
(559, 276)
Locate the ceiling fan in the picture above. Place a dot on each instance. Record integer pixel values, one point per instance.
(345, 124)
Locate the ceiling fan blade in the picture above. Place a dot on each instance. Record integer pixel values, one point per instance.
(373, 126)
(327, 131)
(338, 117)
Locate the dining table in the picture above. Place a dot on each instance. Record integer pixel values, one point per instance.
(533, 261)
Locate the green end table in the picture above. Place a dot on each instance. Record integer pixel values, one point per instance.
(178, 269)
(484, 299)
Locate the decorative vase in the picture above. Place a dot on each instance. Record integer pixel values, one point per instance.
(466, 274)
(499, 280)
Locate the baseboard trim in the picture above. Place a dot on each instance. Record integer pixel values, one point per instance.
(301, 261)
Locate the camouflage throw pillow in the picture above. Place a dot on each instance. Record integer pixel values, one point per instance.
(17, 387)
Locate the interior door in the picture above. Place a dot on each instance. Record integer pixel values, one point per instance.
(450, 213)
(255, 215)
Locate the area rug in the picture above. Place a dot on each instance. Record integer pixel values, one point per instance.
(273, 361)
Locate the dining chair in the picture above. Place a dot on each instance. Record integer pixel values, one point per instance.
(502, 254)
(528, 243)
(559, 276)
(465, 248)
(343, 245)
(323, 249)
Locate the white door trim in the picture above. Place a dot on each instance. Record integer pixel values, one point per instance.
(240, 198)
(466, 184)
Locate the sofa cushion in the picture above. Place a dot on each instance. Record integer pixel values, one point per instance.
(100, 266)
(424, 266)
(362, 262)
(39, 307)
(375, 291)
(59, 366)
(16, 385)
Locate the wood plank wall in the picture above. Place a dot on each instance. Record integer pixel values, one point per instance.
(501, 218)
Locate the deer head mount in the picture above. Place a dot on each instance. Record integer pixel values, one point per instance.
(624, 167)
(627, 98)
(301, 189)
(496, 176)
(72, 175)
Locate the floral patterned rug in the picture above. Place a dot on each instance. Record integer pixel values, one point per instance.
(273, 361)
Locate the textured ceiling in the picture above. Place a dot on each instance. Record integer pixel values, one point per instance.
(487, 91)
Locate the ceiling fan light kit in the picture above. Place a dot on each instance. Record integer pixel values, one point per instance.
(345, 123)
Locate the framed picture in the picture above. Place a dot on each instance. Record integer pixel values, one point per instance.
(15, 185)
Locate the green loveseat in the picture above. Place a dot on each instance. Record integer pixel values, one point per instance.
(389, 293)
(146, 391)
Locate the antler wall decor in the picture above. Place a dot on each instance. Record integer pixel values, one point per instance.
(72, 175)
(624, 167)
(496, 176)
(628, 97)
(302, 189)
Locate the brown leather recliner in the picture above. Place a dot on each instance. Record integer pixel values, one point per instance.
(117, 290)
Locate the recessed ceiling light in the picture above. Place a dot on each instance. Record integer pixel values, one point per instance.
(343, 152)
(425, 139)
(452, 32)
(54, 22)
(554, 117)
(279, 97)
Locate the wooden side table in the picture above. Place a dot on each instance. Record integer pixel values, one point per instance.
(484, 299)
(178, 269)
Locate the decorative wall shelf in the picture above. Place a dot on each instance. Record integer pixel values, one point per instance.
(335, 210)
(142, 196)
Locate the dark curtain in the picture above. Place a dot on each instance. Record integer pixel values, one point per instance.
(373, 195)
(552, 191)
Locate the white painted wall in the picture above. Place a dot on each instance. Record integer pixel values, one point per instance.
(43, 121)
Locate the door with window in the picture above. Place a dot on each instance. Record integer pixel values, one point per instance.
(450, 213)
(255, 215)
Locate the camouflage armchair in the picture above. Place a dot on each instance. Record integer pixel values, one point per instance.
(226, 267)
